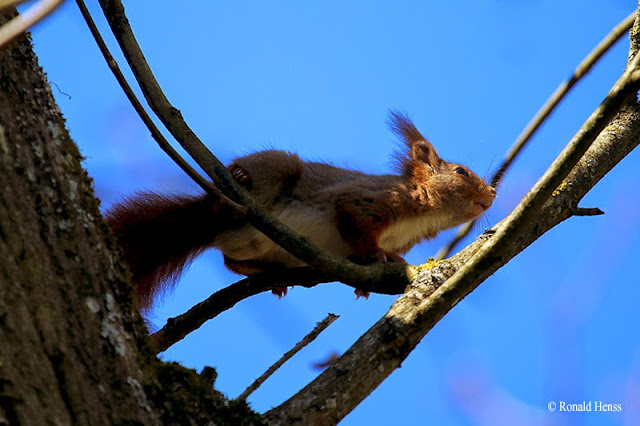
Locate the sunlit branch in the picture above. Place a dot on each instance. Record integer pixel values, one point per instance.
(24, 21)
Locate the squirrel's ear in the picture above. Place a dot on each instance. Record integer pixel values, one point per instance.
(424, 152)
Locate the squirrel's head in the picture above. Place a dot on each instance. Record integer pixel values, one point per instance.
(451, 188)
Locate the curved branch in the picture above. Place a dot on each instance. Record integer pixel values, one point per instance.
(377, 353)
(179, 327)
(541, 116)
(137, 105)
(337, 268)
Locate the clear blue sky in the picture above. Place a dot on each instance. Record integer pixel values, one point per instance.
(557, 323)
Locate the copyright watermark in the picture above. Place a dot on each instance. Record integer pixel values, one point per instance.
(586, 406)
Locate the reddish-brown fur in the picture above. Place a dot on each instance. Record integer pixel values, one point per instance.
(348, 213)
(160, 235)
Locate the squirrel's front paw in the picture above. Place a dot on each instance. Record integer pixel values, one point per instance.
(361, 293)
(279, 291)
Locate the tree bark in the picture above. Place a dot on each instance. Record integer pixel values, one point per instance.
(73, 347)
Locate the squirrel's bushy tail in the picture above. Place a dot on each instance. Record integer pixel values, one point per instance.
(160, 235)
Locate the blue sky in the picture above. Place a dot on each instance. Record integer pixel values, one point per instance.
(556, 324)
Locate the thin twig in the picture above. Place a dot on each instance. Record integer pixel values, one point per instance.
(587, 211)
(339, 269)
(319, 328)
(541, 116)
(137, 105)
(24, 21)
(179, 327)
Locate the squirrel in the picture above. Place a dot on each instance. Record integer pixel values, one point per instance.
(348, 213)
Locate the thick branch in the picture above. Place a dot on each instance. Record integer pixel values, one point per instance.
(382, 349)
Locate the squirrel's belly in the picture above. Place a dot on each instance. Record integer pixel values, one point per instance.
(400, 236)
(245, 243)
(318, 226)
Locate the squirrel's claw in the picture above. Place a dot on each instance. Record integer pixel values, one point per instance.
(279, 291)
(395, 258)
(385, 256)
(381, 256)
(361, 293)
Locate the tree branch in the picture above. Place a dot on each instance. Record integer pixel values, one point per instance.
(337, 268)
(179, 327)
(319, 328)
(381, 350)
(541, 116)
(137, 105)
(584, 211)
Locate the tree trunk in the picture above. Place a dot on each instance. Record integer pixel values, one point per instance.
(73, 348)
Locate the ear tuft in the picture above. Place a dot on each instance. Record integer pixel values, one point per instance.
(404, 128)
(419, 148)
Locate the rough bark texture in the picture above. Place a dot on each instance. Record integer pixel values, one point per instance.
(73, 349)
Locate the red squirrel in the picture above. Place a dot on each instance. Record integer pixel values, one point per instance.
(345, 212)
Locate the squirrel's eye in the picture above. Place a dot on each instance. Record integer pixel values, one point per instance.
(461, 171)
